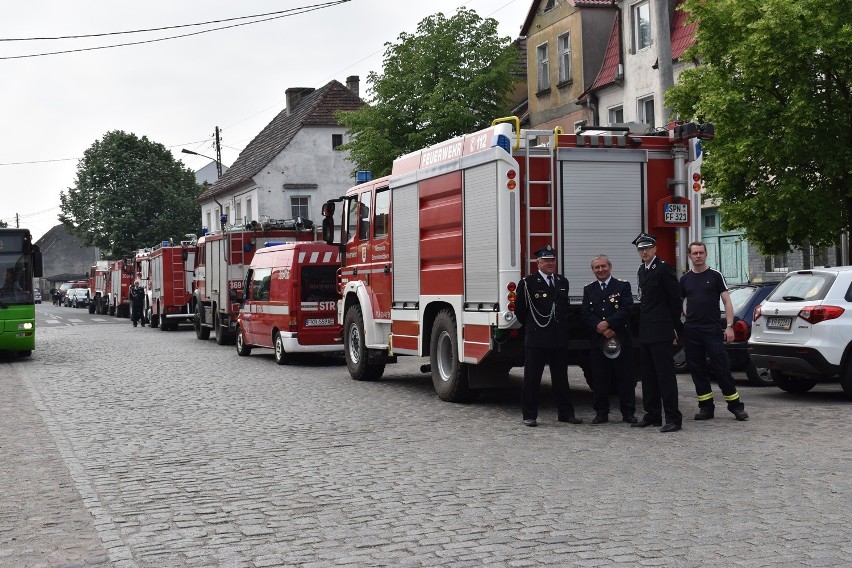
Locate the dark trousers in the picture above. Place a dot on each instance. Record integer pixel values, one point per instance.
(700, 344)
(659, 383)
(613, 374)
(135, 313)
(535, 360)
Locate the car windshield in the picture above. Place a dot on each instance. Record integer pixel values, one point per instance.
(740, 297)
(803, 287)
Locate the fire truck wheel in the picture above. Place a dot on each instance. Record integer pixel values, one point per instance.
(201, 332)
(281, 356)
(162, 323)
(242, 348)
(355, 348)
(153, 320)
(449, 376)
(222, 336)
(91, 307)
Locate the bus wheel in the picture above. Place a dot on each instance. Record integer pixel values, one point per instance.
(201, 332)
(355, 348)
(281, 356)
(449, 375)
(242, 348)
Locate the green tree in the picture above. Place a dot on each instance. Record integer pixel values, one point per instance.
(130, 193)
(450, 77)
(775, 80)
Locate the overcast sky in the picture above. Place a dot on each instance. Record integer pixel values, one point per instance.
(175, 92)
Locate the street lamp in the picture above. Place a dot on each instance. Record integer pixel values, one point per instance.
(218, 163)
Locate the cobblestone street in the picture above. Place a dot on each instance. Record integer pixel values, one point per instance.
(129, 447)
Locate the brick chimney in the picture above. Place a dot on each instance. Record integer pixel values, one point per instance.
(352, 82)
(295, 95)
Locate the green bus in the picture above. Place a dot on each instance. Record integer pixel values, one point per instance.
(20, 262)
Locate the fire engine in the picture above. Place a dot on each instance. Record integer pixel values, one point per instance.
(165, 272)
(221, 261)
(118, 287)
(98, 279)
(432, 253)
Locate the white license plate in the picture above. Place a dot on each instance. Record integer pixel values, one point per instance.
(779, 323)
(318, 322)
(675, 213)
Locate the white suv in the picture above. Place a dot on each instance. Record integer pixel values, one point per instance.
(803, 331)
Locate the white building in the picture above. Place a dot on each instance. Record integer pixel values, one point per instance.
(292, 166)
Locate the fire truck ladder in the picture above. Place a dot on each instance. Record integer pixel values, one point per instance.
(538, 143)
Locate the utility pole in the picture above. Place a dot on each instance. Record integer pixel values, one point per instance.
(17, 221)
(218, 153)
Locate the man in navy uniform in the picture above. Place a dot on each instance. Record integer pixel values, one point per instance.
(607, 303)
(542, 306)
(659, 320)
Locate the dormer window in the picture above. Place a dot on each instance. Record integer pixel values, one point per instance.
(549, 5)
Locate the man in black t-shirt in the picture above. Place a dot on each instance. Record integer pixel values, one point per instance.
(701, 288)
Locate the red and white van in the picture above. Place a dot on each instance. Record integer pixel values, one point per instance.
(290, 301)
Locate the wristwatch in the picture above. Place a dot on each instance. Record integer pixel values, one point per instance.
(730, 325)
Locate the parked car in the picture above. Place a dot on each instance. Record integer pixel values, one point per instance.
(745, 298)
(803, 331)
(37, 296)
(77, 297)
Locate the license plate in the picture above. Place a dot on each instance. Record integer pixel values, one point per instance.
(779, 323)
(318, 322)
(675, 213)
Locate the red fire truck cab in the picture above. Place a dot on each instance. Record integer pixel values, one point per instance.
(290, 304)
(98, 285)
(118, 292)
(165, 272)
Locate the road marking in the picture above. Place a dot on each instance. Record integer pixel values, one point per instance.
(52, 321)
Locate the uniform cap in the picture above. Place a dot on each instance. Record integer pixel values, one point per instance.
(644, 240)
(545, 252)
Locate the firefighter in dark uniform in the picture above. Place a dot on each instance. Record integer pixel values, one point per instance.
(659, 326)
(542, 306)
(137, 303)
(606, 307)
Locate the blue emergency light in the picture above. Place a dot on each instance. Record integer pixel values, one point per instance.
(502, 141)
(363, 176)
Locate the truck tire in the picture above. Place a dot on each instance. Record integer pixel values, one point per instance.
(758, 377)
(355, 349)
(91, 307)
(154, 320)
(162, 322)
(201, 332)
(791, 384)
(281, 356)
(242, 349)
(217, 327)
(449, 374)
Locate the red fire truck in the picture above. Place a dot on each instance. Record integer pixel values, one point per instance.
(433, 252)
(118, 287)
(221, 261)
(98, 279)
(165, 272)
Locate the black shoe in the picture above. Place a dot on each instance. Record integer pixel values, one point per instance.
(134, 324)
(629, 419)
(670, 427)
(571, 420)
(600, 419)
(740, 414)
(531, 422)
(645, 422)
(705, 414)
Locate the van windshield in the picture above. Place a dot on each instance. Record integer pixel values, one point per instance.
(319, 283)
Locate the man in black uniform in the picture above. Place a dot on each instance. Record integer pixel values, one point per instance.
(542, 306)
(702, 287)
(137, 303)
(659, 319)
(606, 312)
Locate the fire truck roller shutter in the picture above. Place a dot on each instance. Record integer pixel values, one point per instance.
(405, 225)
(603, 203)
(480, 234)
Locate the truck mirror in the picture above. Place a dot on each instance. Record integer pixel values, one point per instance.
(328, 209)
(328, 230)
(184, 254)
(38, 263)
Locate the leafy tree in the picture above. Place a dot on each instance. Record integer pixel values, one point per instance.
(3, 224)
(130, 193)
(450, 77)
(775, 80)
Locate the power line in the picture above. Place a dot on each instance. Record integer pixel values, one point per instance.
(293, 12)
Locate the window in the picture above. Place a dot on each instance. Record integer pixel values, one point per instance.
(299, 206)
(776, 263)
(260, 279)
(645, 111)
(709, 221)
(579, 124)
(228, 213)
(616, 115)
(543, 67)
(238, 211)
(209, 224)
(564, 47)
(249, 214)
(351, 217)
(364, 216)
(382, 215)
(336, 141)
(550, 5)
(641, 26)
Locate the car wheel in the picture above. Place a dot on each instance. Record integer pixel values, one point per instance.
(758, 376)
(791, 384)
(242, 348)
(281, 356)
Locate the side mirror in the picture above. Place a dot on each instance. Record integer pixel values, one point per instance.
(38, 262)
(328, 209)
(328, 230)
(184, 254)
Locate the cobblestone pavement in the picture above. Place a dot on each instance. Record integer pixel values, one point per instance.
(131, 447)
